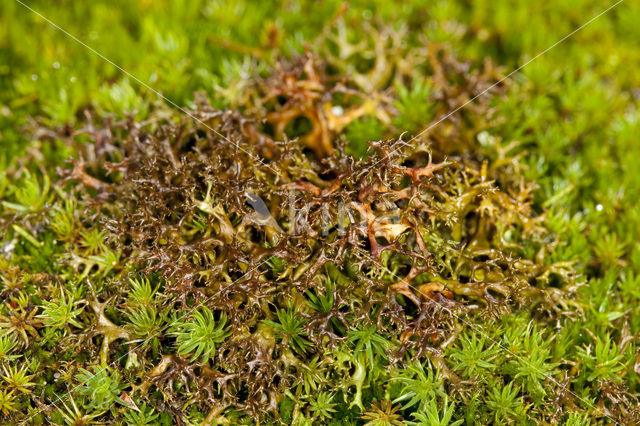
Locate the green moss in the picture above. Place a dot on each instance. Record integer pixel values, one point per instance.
(531, 223)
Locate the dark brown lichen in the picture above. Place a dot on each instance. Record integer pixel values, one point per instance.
(229, 210)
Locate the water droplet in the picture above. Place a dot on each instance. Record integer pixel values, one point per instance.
(337, 110)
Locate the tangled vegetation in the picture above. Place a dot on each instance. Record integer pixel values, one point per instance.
(369, 227)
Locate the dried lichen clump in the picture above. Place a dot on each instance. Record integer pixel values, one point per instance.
(292, 254)
(378, 77)
(237, 265)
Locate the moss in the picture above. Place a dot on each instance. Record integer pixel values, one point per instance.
(340, 263)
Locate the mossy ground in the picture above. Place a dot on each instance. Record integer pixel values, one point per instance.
(561, 134)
